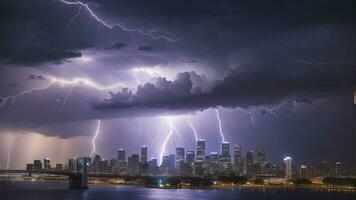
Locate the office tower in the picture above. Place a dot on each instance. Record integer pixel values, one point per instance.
(37, 164)
(72, 165)
(113, 166)
(323, 169)
(213, 163)
(190, 157)
(102, 167)
(238, 159)
(303, 172)
(249, 163)
(225, 158)
(121, 162)
(179, 157)
(121, 154)
(288, 168)
(134, 164)
(153, 167)
(200, 150)
(165, 165)
(261, 156)
(96, 160)
(46, 163)
(172, 162)
(338, 168)
(143, 154)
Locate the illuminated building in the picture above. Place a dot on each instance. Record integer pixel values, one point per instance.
(304, 172)
(133, 164)
(113, 165)
(72, 165)
(179, 157)
(238, 159)
(213, 163)
(121, 162)
(338, 168)
(261, 156)
(249, 163)
(200, 150)
(153, 167)
(225, 158)
(143, 154)
(46, 163)
(288, 168)
(190, 157)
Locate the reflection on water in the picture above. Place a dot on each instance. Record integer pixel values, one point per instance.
(43, 190)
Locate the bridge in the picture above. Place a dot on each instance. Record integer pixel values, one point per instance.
(76, 180)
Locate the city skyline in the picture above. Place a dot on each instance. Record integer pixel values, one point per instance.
(83, 77)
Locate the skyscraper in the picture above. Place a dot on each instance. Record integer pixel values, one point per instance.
(200, 150)
(179, 157)
(288, 168)
(249, 163)
(225, 158)
(238, 159)
(37, 164)
(144, 154)
(72, 164)
(338, 168)
(46, 163)
(190, 157)
(121, 162)
(261, 158)
(134, 164)
(121, 154)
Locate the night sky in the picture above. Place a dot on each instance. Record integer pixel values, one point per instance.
(279, 73)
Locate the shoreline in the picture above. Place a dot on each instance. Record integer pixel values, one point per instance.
(225, 186)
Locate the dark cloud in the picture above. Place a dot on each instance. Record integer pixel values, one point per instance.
(118, 45)
(37, 77)
(145, 48)
(238, 89)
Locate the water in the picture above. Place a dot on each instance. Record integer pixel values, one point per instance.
(47, 190)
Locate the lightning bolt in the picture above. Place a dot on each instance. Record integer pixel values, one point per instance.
(63, 82)
(66, 98)
(220, 126)
(118, 25)
(170, 133)
(193, 129)
(271, 110)
(346, 62)
(93, 145)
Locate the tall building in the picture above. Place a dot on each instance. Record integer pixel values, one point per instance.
(213, 163)
(238, 159)
(83, 163)
(121, 162)
(288, 168)
(261, 156)
(143, 154)
(200, 150)
(134, 164)
(179, 157)
(225, 158)
(190, 157)
(153, 167)
(46, 163)
(72, 165)
(37, 164)
(303, 172)
(121, 154)
(249, 163)
(113, 166)
(338, 168)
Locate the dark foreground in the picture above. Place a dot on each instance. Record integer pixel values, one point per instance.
(47, 190)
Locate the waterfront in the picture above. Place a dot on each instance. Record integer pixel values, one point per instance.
(40, 190)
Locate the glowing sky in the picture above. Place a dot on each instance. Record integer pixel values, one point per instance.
(277, 75)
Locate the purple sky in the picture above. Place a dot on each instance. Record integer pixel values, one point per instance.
(281, 75)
